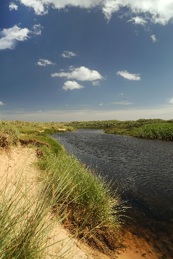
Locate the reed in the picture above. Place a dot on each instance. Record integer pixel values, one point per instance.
(162, 131)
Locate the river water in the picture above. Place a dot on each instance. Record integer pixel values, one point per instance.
(141, 171)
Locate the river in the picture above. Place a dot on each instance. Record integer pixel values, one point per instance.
(140, 171)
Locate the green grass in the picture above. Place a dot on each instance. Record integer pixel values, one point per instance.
(82, 198)
(23, 224)
(70, 191)
(142, 128)
(162, 131)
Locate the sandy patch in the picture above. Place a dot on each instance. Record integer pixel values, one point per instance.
(136, 248)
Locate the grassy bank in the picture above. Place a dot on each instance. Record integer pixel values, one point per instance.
(23, 225)
(69, 191)
(143, 128)
(81, 198)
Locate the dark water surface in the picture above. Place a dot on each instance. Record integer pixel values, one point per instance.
(141, 170)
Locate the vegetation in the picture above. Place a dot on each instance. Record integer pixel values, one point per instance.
(84, 200)
(69, 190)
(162, 131)
(23, 225)
(142, 128)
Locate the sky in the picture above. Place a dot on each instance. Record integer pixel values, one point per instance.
(68, 60)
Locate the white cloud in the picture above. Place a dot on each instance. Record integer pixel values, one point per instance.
(9, 37)
(81, 74)
(153, 38)
(37, 28)
(68, 54)
(122, 103)
(171, 100)
(156, 11)
(39, 6)
(72, 85)
(129, 76)
(1, 103)
(13, 6)
(44, 62)
(59, 4)
(138, 20)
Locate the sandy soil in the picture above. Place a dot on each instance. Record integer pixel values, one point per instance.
(17, 166)
(18, 163)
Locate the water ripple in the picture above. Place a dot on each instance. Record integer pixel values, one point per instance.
(142, 170)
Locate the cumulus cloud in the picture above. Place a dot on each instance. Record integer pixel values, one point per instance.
(59, 4)
(68, 54)
(138, 20)
(39, 6)
(123, 103)
(158, 11)
(44, 62)
(10, 36)
(72, 85)
(81, 74)
(13, 6)
(153, 38)
(1, 103)
(129, 76)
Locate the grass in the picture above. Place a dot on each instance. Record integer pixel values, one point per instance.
(90, 204)
(142, 128)
(23, 223)
(9, 135)
(70, 192)
(162, 131)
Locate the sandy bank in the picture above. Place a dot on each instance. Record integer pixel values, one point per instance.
(17, 164)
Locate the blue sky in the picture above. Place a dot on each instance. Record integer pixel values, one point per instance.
(65, 60)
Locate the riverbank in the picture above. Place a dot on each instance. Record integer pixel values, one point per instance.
(52, 206)
(142, 128)
(136, 167)
(18, 170)
(68, 193)
(18, 166)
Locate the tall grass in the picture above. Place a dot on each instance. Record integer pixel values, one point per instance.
(23, 224)
(163, 131)
(84, 200)
(69, 190)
